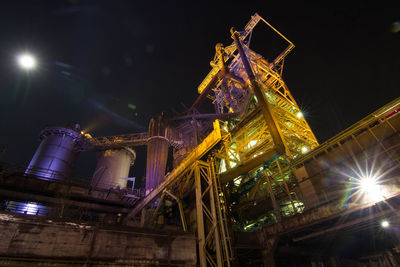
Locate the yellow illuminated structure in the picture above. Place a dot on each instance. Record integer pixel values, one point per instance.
(235, 161)
(267, 129)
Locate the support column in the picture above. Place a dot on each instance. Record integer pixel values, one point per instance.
(214, 218)
(200, 219)
(268, 258)
(181, 212)
(269, 245)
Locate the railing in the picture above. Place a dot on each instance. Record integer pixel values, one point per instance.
(24, 207)
(116, 141)
(7, 170)
(380, 116)
(14, 210)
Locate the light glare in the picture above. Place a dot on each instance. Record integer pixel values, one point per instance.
(369, 185)
(371, 189)
(252, 143)
(299, 115)
(27, 61)
(385, 224)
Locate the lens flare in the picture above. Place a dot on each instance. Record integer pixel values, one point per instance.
(370, 188)
(369, 185)
(365, 181)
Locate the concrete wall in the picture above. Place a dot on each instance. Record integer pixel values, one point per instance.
(74, 243)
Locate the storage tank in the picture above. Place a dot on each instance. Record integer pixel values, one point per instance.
(113, 167)
(56, 153)
(157, 152)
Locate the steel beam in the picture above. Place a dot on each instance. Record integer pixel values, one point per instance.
(246, 166)
(181, 213)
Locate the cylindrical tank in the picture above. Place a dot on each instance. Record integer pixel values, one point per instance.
(113, 167)
(56, 153)
(157, 152)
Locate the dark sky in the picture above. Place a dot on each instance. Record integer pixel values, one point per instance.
(97, 57)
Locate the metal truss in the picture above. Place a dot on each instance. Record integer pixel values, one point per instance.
(214, 244)
(212, 231)
(194, 176)
(89, 142)
(268, 132)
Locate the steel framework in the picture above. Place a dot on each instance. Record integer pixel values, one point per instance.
(264, 131)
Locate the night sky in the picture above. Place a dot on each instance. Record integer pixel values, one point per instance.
(112, 65)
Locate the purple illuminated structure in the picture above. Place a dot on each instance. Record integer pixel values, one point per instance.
(113, 167)
(56, 153)
(157, 152)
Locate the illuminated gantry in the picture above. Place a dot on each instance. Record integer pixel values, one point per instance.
(268, 129)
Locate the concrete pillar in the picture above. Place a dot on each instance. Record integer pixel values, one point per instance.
(309, 194)
(269, 244)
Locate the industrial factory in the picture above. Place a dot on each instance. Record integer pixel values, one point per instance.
(245, 185)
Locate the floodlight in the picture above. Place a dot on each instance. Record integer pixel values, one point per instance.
(304, 149)
(385, 224)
